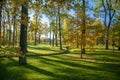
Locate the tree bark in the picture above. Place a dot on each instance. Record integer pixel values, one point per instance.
(39, 38)
(77, 37)
(16, 38)
(56, 36)
(23, 36)
(108, 14)
(59, 28)
(119, 44)
(14, 19)
(9, 30)
(107, 39)
(35, 32)
(4, 31)
(56, 43)
(83, 31)
(50, 35)
(0, 21)
(119, 48)
(77, 40)
(53, 41)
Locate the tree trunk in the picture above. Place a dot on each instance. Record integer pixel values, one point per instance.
(109, 14)
(39, 38)
(9, 29)
(35, 38)
(60, 28)
(119, 48)
(16, 35)
(107, 40)
(9, 32)
(0, 21)
(77, 40)
(119, 44)
(107, 44)
(4, 30)
(53, 41)
(35, 32)
(23, 36)
(107, 37)
(77, 45)
(14, 27)
(50, 35)
(56, 43)
(83, 32)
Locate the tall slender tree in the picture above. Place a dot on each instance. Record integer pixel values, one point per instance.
(36, 7)
(109, 8)
(23, 34)
(0, 20)
(83, 30)
(59, 20)
(109, 12)
(56, 33)
(1, 5)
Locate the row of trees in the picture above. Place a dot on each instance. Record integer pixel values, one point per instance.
(71, 23)
(13, 16)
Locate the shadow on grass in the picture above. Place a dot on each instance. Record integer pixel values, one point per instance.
(30, 53)
(7, 71)
(55, 76)
(109, 67)
(106, 56)
(69, 72)
(66, 70)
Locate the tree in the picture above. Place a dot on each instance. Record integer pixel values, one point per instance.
(40, 30)
(83, 30)
(53, 27)
(0, 20)
(81, 16)
(23, 34)
(55, 10)
(116, 31)
(110, 12)
(109, 8)
(1, 6)
(56, 32)
(51, 10)
(16, 10)
(45, 31)
(69, 33)
(36, 7)
(59, 18)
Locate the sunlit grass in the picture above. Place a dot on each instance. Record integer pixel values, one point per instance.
(43, 49)
(100, 64)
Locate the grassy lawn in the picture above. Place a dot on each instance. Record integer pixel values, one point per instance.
(98, 65)
(42, 49)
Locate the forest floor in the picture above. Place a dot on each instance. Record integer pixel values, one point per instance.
(98, 64)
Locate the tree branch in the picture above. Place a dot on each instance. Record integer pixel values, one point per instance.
(105, 12)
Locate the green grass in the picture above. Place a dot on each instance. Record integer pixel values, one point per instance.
(43, 49)
(98, 65)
